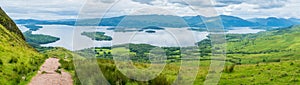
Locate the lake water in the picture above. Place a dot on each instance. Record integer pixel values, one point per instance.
(71, 38)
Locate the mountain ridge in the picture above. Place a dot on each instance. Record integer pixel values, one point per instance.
(168, 21)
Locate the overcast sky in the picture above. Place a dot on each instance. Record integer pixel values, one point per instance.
(70, 9)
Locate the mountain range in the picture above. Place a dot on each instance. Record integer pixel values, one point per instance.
(169, 21)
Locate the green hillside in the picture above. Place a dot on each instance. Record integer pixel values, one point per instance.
(271, 46)
(266, 42)
(18, 61)
(9, 24)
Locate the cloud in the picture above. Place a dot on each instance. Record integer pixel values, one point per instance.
(38, 9)
(231, 1)
(268, 4)
(144, 1)
(262, 4)
(251, 10)
(70, 9)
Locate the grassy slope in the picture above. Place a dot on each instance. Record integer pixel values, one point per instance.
(282, 73)
(272, 46)
(267, 58)
(9, 24)
(18, 61)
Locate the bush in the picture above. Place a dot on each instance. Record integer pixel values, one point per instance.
(44, 72)
(1, 62)
(229, 69)
(13, 60)
(160, 80)
(58, 71)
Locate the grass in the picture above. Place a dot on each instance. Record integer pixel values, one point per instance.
(20, 62)
(284, 72)
(281, 73)
(9, 24)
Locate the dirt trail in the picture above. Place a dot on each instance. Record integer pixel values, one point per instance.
(47, 74)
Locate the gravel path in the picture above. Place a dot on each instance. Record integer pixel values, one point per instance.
(47, 74)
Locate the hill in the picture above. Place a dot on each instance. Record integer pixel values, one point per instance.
(9, 24)
(269, 46)
(276, 22)
(18, 61)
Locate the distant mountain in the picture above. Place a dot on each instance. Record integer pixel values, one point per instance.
(46, 22)
(194, 21)
(140, 21)
(294, 20)
(231, 21)
(227, 21)
(125, 21)
(276, 22)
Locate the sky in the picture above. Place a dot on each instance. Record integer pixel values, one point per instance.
(71, 9)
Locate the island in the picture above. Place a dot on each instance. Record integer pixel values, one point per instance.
(153, 28)
(39, 38)
(150, 31)
(198, 29)
(33, 27)
(98, 36)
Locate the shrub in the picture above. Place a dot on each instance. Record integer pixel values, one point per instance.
(1, 62)
(229, 69)
(160, 80)
(44, 72)
(58, 71)
(13, 60)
